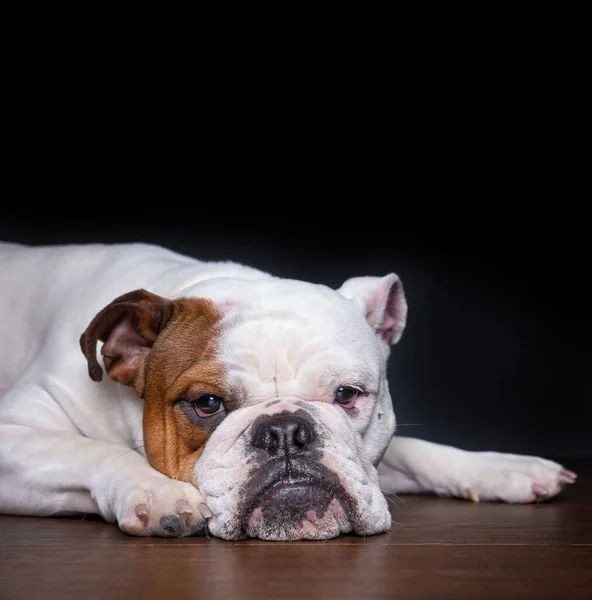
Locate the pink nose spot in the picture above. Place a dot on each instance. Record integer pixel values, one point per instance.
(337, 511)
(256, 517)
(307, 529)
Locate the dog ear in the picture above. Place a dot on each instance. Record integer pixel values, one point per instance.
(384, 303)
(128, 326)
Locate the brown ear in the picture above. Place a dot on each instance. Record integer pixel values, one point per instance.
(128, 326)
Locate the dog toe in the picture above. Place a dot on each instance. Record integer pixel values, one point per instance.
(163, 507)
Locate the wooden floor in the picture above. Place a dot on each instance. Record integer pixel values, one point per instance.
(438, 548)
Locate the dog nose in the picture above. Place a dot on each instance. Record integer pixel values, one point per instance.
(283, 434)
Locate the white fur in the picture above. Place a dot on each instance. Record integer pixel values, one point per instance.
(69, 445)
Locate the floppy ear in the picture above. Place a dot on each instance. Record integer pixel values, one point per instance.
(128, 326)
(383, 301)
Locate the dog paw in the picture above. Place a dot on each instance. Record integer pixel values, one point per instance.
(163, 507)
(513, 478)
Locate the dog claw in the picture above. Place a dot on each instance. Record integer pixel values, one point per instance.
(182, 507)
(171, 525)
(539, 490)
(142, 512)
(471, 495)
(205, 511)
(567, 477)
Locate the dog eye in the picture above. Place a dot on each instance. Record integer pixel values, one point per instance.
(346, 396)
(208, 404)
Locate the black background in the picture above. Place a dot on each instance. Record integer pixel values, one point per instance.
(456, 157)
(496, 354)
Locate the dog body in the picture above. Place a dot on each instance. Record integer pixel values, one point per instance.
(256, 403)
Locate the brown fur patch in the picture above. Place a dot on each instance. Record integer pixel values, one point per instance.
(181, 363)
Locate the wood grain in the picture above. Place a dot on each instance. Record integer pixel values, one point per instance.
(439, 548)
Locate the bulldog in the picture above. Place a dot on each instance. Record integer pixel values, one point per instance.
(235, 401)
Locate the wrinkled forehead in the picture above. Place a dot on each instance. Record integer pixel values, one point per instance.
(289, 338)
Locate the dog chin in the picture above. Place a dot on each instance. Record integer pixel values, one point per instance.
(278, 522)
(296, 499)
(275, 518)
(314, 526)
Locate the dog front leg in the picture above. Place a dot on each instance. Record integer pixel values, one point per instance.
(43, 473)
(411, 466)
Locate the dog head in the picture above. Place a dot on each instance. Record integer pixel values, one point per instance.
(271, 396)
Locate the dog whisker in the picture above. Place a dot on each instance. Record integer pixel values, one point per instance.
(389, 497)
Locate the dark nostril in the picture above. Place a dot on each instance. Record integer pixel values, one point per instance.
(303, 436)
(269, 439)
(284, 432)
